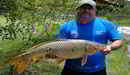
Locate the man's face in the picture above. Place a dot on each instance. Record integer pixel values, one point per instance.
(86, 13)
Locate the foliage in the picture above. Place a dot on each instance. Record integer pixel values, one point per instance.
(37, 10)
(15, 31)
(46, 15)
(111, 8)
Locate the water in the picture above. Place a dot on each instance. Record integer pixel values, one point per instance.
(126, 31)
(128, 51)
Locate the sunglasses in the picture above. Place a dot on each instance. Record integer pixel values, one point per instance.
(86, 6)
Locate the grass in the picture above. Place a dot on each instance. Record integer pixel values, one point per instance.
(124, 22)
(118, 63)
(8, 49)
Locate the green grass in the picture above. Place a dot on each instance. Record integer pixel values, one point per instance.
(9, 49)
(118, 63)
(45, 68)
(124, 22)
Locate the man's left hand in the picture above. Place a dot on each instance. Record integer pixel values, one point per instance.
(107, 50)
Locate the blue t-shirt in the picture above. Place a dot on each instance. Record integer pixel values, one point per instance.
(99, 30)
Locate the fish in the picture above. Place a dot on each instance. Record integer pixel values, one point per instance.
(59, 50)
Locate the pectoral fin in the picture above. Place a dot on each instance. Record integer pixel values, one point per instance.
(84, 60)
(58, 61)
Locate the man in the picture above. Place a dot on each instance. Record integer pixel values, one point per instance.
(89, 27)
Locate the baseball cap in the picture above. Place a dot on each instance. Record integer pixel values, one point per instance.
(89, 2)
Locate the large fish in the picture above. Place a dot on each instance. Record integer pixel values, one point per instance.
(63, 49)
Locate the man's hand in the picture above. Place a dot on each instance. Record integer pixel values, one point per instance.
(115, 45)
(107, 50)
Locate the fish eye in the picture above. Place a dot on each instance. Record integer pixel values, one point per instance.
(48, 49)
(72, 49)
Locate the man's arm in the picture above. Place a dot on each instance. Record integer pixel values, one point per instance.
(115, 45)
(115, 35)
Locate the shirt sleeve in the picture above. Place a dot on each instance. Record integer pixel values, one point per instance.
(114, 32)
(63, 33)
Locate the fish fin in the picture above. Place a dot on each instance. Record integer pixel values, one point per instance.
(58, 61)
(35, 46)
(42, 43)
(84, 60)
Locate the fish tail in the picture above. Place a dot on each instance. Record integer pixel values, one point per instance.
(21, 64)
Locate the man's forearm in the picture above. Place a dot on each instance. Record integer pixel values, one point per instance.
(116, 44)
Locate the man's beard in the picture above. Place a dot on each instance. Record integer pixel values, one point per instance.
(85, 16)
(88, 19)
